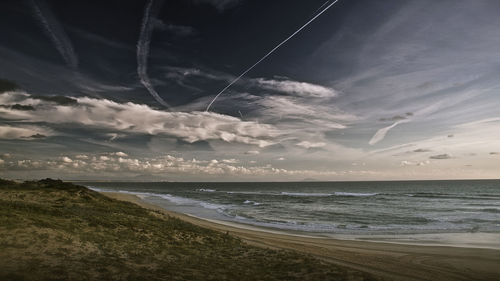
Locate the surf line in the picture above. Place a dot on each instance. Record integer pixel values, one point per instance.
(272, 51)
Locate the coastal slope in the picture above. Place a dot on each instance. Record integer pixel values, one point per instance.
(51, 230)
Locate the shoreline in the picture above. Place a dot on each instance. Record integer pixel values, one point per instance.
(394, 260)
(483, 240)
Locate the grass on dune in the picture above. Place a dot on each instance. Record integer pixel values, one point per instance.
(51, 230)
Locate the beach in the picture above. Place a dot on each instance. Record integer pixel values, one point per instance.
(397, 261)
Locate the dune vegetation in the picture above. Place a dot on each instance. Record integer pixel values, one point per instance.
(52, 230)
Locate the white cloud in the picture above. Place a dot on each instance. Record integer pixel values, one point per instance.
(252, 152)
(415, 163)
(381, 133)
(66, 159)
(23, 132)
(137, 118)
(301, 89)
(121, 154)
(307, 144)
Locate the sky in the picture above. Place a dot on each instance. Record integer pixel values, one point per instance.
(369, 90)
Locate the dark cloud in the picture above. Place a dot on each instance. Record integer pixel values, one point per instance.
(441, 156)
(6, 85)
(393, 118)
(61, 100)
(421, 150)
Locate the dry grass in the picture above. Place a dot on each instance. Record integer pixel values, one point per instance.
(50, 230)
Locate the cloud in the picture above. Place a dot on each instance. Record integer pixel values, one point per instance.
(220, 5)
(142, 119)
(381, 133)
(23, 132)
(252, 152)
(300, 114)
(441, 156)
(160, 166)
(307, 144)
(179, 30)
(66, 159)
(302, 89)
(121, 154)
(414, 163)
(421, 150)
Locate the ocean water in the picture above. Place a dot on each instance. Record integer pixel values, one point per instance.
(395, 207)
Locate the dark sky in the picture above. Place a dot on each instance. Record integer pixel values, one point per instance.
(370, 90)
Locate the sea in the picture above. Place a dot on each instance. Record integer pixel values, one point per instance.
(358, 208)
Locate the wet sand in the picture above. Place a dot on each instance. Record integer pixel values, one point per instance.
(388, 260)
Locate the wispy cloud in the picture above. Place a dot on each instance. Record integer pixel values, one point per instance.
(143, 45)
(307, 144)
(178, 30)
(302, 89)
(381, 133)
(56, 32)
(221, 5)
(24, 132)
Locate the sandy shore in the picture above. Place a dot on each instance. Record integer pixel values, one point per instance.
(389, 260)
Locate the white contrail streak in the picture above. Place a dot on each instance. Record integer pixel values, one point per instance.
(143, 48)
(321, 7)
(56, 33)
(270, 52)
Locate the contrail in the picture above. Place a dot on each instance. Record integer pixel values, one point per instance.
(321, 7)
(56, 33)
(150, 13)
(272, 51)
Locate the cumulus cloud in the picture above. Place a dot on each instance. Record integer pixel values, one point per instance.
(137, 118)
(66, 159)
(252, 152)
(302, 89)
(158, 165)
